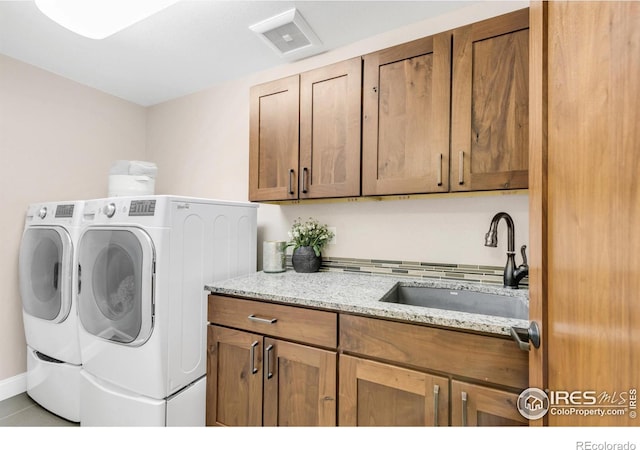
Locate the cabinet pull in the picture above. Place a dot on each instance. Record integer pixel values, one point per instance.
(252, 356)
(291, 172)
(269, 372)
(304, 180)
(436, 395)
(260, 319)
(461, 168)
(464, 409)
(440, 171)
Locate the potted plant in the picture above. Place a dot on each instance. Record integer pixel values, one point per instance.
(308, 239)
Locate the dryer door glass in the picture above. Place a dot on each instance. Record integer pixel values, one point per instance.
(45, 272)
(115, 300)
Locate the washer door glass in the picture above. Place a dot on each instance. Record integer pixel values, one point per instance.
(45, 272)
(116, 293)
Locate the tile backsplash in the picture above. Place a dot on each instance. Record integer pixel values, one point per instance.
(413, 269)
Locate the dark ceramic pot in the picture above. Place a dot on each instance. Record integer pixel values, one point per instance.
(304, 260)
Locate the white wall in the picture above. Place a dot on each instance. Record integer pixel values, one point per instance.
(57, 142)
(200, 143)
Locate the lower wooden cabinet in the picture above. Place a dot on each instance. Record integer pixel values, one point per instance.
(299, 385)
(278, 365)
(478, 406)
(253, 380)
(234, 378)
(377, 394)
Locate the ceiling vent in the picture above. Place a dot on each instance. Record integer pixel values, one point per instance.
(289, 35)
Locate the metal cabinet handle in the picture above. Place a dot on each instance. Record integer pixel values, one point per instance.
(440, 171)
(464, 409)
(461, 168)
(523, 336)
(291, 172)
(252, 356)
(260, 319)
(269, 371)
(436, 395)
(305, 180)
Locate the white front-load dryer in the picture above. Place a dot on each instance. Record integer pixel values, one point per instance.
(48, 279)
(143, 264)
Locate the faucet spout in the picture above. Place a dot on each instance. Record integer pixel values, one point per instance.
(491, 238)
(512, 275)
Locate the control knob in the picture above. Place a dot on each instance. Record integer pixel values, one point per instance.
(43, 212)
(110, 210)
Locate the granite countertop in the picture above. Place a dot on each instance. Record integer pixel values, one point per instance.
(361, 294)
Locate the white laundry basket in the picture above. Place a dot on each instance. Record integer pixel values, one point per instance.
(128, 178)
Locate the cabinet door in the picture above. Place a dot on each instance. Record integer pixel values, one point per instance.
(299, 385)
(406, 105)
(234, 377)
(273, 140)
(490, 104)
(330, 104)
(376, 394)
(477, 406)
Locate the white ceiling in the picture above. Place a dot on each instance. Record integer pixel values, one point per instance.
(192, 44)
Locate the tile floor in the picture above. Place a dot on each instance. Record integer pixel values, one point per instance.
(21, 411)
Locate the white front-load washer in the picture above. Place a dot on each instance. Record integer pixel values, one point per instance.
(143, 264)
(48, 278)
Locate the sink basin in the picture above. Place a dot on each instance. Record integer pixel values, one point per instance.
(459, 300)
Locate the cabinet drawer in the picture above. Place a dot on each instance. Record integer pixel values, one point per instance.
(290, 322)
(485, 358)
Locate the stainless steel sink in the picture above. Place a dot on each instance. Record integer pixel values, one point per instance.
(459, 300)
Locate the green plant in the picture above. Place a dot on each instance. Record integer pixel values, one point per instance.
(309, 234)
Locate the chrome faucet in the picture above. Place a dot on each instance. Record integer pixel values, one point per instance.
(512, 275)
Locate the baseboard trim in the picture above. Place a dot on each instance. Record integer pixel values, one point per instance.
(13, 386)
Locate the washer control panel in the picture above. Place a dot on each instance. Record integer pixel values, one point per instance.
(64, 211)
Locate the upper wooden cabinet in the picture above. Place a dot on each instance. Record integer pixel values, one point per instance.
(273, 140)
(443, 113)
(330, 130)
(490, 104)
(305, 135)
(405, 136)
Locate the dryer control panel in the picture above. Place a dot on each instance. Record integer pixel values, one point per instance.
(142, 208)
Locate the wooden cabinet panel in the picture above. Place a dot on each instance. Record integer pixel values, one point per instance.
(587, 210)
(254, 381)
(273, 140)
(490, 104)
(485, 358)
(473, 405)
(234, 381)
(299, 385)
(406, 100)
(376, 394)
(299, 324)
(330, 107)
